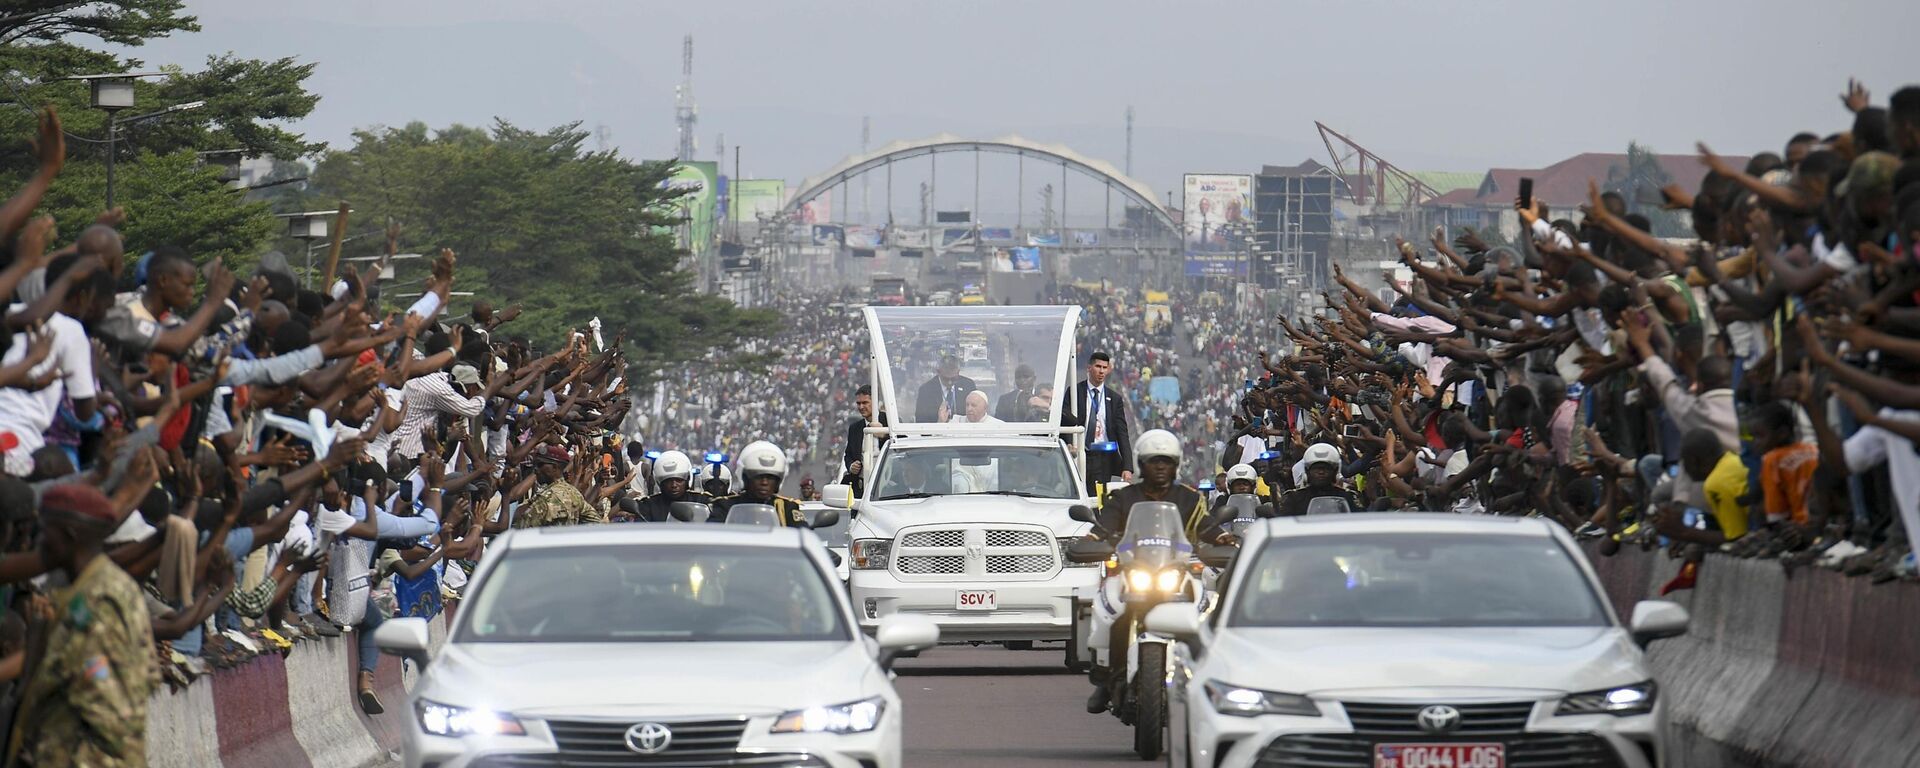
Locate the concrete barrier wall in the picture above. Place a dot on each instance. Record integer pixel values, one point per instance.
(1814, 670)
(296, 711)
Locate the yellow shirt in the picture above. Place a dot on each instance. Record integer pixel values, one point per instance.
(1724, 487)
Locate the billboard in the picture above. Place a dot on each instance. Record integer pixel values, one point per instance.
(1043, 238)
(753, 198)
(907, 238)
(1086, 238)
(828, 234)
(1213, 203)
(996, 234)
(955, 236)
(1216, 265)
(1024, 259)
(703, 178)
(817, 211)
(864, 237)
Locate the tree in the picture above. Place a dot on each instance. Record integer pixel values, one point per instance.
(538, 220)
(1643, 176)
(42, 42)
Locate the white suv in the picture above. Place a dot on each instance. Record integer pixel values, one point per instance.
(1413, 641)
(656, 645)
(968, 531)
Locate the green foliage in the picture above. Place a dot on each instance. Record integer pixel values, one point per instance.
(538, 220)
(44, 41)
(1644, 176)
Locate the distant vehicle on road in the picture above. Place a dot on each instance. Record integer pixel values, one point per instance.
(889, 291)
(656, 644)
(1415, 641)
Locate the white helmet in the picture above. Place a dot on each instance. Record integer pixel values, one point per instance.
(1156, 442)
(1242, 472)
(671, 465)
(1321, 453)
(715, 472)
(762, 458)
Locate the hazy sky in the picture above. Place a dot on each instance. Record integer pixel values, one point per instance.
(1451, 85)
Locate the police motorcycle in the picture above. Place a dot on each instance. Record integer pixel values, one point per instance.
(1148, 564)
(1239, 513)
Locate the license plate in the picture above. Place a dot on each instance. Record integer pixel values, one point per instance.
(975, 600)
(1440, 756)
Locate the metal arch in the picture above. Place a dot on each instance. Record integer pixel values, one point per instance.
(855, 165)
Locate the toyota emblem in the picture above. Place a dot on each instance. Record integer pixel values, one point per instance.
(1439, 719)
(649, 738)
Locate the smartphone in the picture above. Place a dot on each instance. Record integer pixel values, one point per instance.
(1351, 430)
(1526, 192)
(1249, 384)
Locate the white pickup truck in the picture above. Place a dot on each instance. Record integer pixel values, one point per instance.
(965, 520)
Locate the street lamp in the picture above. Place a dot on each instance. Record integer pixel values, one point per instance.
(308, 227)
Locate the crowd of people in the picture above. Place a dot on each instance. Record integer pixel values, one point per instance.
(202, 467)
(1750, 390)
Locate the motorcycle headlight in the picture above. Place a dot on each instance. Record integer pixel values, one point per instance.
(1066, 542)
(1170, 579)
(1636, 699)
(852, 717)
(1139, 580)
(443, 720)
(1250, 702)
(869, 554)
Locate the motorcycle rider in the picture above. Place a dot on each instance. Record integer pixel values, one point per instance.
(1322, 467)
(763, 466)
(1241, 479)
(716, 480)
(673, 472)
(1158, 452)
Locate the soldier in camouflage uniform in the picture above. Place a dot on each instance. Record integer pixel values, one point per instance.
(555, 501)
(85, 701)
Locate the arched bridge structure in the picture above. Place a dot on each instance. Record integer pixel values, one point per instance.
(1132, 191)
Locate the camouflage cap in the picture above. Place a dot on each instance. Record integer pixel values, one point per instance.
(1871, 172)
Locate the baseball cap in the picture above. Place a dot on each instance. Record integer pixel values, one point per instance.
(552, 454)
(1870, 172)
(466, 375)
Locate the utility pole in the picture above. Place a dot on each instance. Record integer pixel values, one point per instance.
(1129, 167)
(684, 111)
(926, 204)
(1046, 207)
(866, 136)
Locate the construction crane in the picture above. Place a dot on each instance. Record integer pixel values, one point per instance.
(684, 111)
(1372, 172)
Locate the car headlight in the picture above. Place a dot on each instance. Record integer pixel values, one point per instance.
(852, 717)
(1067, 542)
(1249, 702)
(443, 720)
(1636, 699)
(869, 554)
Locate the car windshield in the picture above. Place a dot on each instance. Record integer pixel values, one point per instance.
(1415, 580)
(1038, 471)
(653, 593)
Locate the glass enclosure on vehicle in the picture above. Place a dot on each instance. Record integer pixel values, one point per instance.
(1010, 470)
(957, 369)
(655, 593)
(1415, 580)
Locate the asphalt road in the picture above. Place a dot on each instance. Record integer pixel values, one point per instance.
(987, 707)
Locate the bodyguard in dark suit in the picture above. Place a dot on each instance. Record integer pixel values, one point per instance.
(949, 389)
(856, 475)
(1104, 413)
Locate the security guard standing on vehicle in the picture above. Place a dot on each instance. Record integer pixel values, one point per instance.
(763, 466)
(673, 472)
(1159, 455)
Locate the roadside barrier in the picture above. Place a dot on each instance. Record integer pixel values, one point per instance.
(1812, 669)
(294, 711)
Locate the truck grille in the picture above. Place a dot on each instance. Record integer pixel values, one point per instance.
(1526, 750)
(979, 552)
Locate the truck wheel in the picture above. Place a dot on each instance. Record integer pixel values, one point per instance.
(1150, 701)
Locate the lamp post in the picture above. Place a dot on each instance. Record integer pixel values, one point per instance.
(114, 122)
(308, 227)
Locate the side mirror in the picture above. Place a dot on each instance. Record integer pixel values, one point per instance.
(1177, 620)
(1653, 620)
(1089, 551)
(405, 637)
(1081, 513)
(826, 518)
(902, 636)
(837, 495)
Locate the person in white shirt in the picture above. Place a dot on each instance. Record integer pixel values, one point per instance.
(976, 411)
(26, 415)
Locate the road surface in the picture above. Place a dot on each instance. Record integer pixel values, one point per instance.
(988, 707)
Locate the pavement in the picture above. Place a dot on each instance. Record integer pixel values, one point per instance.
(988, 707)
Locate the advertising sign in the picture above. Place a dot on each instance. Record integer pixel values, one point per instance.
(955, 236)
(1087, 239)
(754, 198)
(817, 211)
(1213, 204)
(864, 237)
(703, 178)
(1043, 238)
(1216, 265)
(996, 235)
(828, 234)
(1024, 259)
(907, 238)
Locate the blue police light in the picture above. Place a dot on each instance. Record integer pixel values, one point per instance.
(653, 455)
(716, 457)
(1206, 485)
(1269, 455)
(1107, 446)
